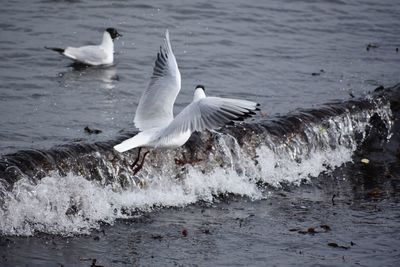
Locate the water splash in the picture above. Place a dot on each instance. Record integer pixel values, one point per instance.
(76, 189)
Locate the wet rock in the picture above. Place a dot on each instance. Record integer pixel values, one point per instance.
(335, 245)
(379, 88)
(92, 131)
(98, 161)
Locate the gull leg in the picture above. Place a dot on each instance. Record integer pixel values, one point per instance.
(137, 159)
(140, 166)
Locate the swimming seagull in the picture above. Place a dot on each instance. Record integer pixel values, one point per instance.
(95, 55)
(154, 114)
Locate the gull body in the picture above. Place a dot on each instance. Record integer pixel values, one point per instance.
(154, 115)
(95, 55)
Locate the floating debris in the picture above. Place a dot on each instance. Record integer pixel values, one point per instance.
(365, 161)
(184, 233)
(207, 231)
(335, 245)
(313, 230)
(372, 45)
(326, 227)
(318, 73)
(375, 192)
(158, 237)
(94, 263)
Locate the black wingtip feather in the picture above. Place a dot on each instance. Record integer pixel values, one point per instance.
(238, 115)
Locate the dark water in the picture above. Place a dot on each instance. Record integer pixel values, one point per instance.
(258, 195)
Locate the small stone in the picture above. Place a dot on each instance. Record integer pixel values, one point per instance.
(365, 161)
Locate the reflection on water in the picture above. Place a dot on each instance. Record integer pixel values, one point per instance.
(104, 77)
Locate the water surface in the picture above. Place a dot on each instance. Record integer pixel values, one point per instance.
(257, 206)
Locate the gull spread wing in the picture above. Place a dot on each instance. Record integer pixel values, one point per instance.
(207, 113)
(155, 107)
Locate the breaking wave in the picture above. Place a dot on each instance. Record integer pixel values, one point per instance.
(75, 188)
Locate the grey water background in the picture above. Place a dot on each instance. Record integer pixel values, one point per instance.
(257, 50)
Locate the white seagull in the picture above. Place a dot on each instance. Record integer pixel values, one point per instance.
(95, 55)
(154, 114)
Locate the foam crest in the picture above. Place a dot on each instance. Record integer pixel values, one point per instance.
(220, 164)
(73, 205)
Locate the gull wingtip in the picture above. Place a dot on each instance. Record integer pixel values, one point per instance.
(118, 148)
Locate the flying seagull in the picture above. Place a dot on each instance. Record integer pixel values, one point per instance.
(154, 114)
(102, 54)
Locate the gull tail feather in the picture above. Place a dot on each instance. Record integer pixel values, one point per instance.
(138, 140)
(59, 50)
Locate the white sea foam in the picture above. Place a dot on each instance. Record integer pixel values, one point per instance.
(72, 204)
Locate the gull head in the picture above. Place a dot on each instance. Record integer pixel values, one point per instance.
(199, 92)
(113, 33)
